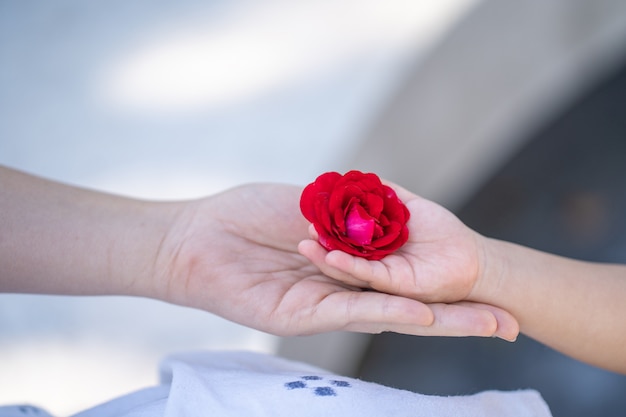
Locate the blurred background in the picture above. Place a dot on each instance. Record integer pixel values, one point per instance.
(509, 113)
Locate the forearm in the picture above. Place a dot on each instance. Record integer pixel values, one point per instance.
(575, 307)
(58, 239)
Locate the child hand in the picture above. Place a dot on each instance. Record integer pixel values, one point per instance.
(440, 263)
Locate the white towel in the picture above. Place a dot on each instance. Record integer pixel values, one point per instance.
(230, 384)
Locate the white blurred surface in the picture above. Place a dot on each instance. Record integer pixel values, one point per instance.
(177, 100)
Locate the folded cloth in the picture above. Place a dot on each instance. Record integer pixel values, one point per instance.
(247, 384)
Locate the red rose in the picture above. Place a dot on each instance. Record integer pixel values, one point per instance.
(355, 213)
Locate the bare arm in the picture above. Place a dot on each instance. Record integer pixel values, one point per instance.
(573, 306)
(59, 239)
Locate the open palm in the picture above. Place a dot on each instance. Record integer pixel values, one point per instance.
(236, 254)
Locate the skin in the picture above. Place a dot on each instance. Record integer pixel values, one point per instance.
(573, 306)
(234, 254)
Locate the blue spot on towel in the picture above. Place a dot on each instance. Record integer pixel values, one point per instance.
(295, 385)
(317, 384)
(324, 392)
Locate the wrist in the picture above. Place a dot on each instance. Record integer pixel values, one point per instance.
(181, 251)
(491, 272)
(146, 249)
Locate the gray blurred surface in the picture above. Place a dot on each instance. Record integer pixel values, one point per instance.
(468, 105)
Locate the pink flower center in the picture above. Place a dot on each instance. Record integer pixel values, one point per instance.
(360, 225)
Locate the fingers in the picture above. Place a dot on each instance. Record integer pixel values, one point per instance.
(508, 327)
(460, 320)
(360, 272)
(370, 312)
(373, 312)
(315, 253)
(375, 273)
(342, 266)
(364, 273)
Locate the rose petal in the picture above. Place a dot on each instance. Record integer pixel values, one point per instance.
(367, 181)
(374, 204)
(323, 185)
(378, 231)
(330, 242)
(391, 233)
(359, 225)
(308, 202)
(327, 181)
(322, 214)
(393, 209)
